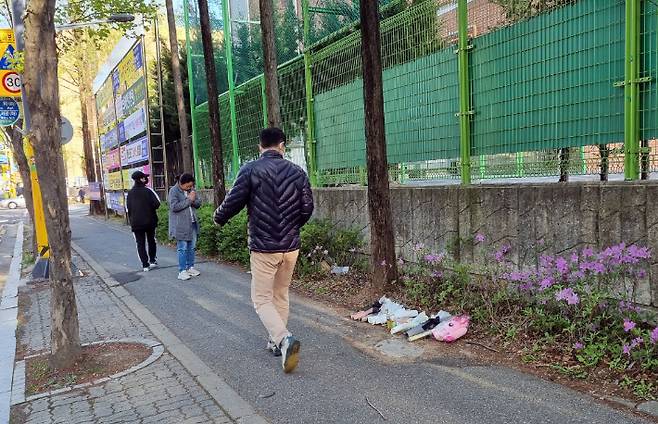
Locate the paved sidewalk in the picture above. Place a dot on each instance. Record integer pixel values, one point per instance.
(162, 392)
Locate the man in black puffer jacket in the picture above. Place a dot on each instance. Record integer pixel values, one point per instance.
(142, 204)
(278, 197)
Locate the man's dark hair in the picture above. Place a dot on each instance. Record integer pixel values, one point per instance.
(186, 178)
(271, 137)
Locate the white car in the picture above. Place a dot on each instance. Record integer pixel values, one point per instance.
(13, 203)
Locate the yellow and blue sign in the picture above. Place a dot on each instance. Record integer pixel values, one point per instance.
(10, 80)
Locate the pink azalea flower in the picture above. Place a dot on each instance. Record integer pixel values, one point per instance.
(628, 325)
(569, 295)
(627, 349)
(562, 265)
(636, 342)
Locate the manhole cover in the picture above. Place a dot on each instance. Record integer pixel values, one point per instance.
(126, 277)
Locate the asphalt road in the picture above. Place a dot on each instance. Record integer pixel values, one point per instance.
(213, 316)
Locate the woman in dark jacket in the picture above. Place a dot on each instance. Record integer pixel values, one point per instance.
(142, 205)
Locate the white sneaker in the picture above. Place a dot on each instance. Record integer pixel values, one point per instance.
(184, 276)
(153, 265)
(193, 272)
(289, 354)
(147, 269)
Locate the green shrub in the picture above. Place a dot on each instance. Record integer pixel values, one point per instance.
(162, 231)
(322, 242)
(231, 240)
(208, 231)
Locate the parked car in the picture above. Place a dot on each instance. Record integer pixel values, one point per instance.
(13, 203)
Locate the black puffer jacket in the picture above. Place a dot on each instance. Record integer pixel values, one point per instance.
(279, 202)
(142, 204)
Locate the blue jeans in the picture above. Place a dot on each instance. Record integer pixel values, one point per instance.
(186, 249)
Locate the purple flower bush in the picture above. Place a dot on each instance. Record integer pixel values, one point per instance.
(580, 303)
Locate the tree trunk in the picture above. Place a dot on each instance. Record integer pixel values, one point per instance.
(564, 165)
(269, 63)
(97, 160)
(384, 266)
(644, 160)
(219, 188)
(42, 94)
(16, 140)
(90, 172)
(605, 164)
(188, 166)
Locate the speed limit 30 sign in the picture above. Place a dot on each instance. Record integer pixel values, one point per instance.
(10, 84)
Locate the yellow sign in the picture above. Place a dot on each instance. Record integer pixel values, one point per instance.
(39, 218)
(10, 80)
(115, 182)
(7, 36)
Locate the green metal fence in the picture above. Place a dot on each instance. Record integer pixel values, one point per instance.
(569, 91)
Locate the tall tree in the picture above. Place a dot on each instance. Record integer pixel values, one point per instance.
(186, 143)
(40, 83)
(219, 189)
(85, 68)
(270, 63)
(288, 31)
(382, 243)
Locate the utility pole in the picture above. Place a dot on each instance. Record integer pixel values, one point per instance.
(382, 242)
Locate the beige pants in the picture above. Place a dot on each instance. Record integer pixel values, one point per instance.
(271, 274)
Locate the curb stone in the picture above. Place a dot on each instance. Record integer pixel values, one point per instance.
(650, 407)
(228, 399)
(9, 321)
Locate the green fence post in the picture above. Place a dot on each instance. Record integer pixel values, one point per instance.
(520, 165)
(228, 44)
(632, 92)
(308, 80)
(190, 80)
(465, 111)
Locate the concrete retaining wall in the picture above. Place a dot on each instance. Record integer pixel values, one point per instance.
(533, 219)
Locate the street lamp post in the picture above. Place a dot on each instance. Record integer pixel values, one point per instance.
(112, 19)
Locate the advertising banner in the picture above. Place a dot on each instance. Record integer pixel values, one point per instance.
(114, 182)
(116, 202)
(111, 159)
(128, 182)
(123, 122)
(135, 152)
(94, 191)
(134, 124)
(109, 140)
(131, 100)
